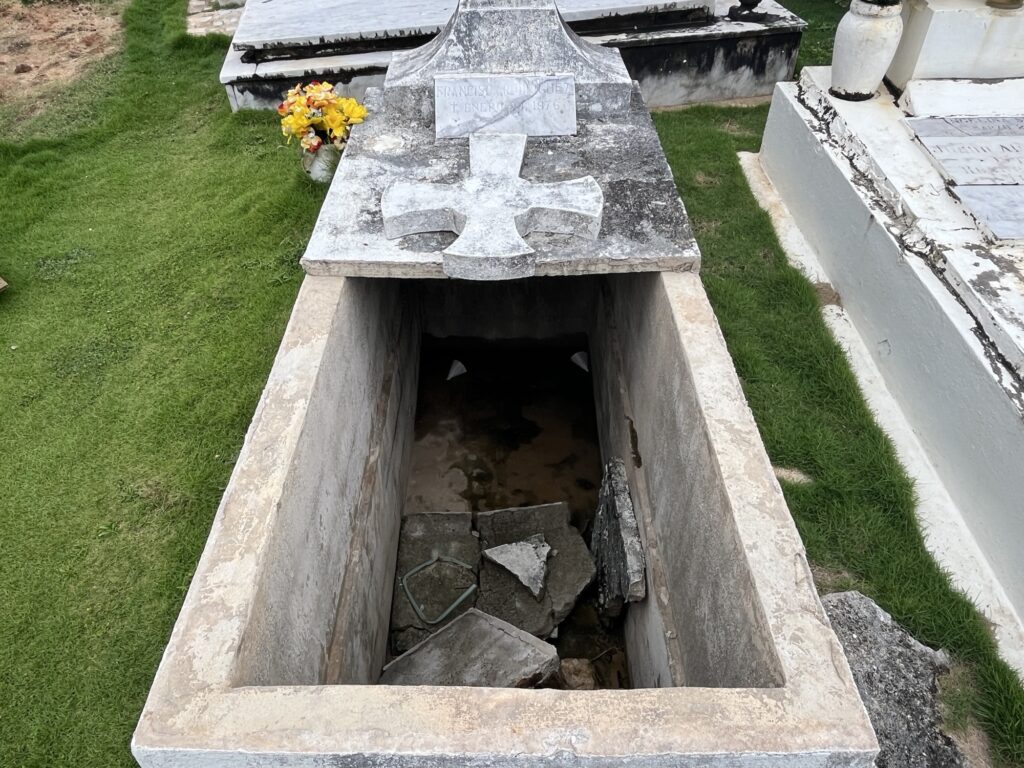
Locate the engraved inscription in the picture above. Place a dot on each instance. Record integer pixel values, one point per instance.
(534, 105)
(979, 159)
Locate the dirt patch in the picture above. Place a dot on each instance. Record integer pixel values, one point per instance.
(52, 43)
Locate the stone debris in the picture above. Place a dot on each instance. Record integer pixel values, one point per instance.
(424, 536)
(475, 650)
(616, 544)
(527, 560)
(570, 567)
(577, 675)
(897, 680)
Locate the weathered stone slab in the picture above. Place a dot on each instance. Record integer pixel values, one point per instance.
(616, 544)
(533, 105)
(570, 567)
(896, 677)
(527, 560)
(967, 126)
(423, 537)
(475, 650)
(979, 159)
(999, 209)
(644, 226)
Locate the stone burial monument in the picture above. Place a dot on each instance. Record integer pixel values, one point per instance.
(510, 175)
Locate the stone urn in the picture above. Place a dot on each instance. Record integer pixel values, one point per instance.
(321, 164)
(866, 41)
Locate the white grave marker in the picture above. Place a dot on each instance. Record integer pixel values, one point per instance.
(532, 105)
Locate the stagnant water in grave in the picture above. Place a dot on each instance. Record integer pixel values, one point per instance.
(518, 428)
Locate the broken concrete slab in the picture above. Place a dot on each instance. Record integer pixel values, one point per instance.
(504, 596)
(527, 560)
(475, 650)
(570, 566)
(896, 676)
(616, 544)
(425, 536)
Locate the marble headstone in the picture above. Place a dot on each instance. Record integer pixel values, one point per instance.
(983, 160)
(513, 37)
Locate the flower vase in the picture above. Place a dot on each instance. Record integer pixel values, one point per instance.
(321, 164)
(866, 42)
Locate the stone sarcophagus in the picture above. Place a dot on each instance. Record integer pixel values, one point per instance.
(285, 651)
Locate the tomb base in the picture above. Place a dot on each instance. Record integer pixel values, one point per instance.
(908, 242)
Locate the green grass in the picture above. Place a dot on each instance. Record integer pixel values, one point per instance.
(152, 256)
(151, 242)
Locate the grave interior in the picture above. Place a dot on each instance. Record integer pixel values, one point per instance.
(517, 428)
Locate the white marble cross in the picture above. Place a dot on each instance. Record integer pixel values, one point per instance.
(493, 208)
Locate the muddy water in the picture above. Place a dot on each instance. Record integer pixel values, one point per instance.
(518, 428)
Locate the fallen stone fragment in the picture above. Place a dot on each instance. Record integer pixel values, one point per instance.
(578, 675)
(896, 677)
(570, 567)
(527, 560)
(616, 544)
(424, 536)
(475, 650)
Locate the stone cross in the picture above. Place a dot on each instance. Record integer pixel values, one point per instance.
(493, 208)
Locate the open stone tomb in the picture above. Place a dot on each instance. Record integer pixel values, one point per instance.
(277, 656)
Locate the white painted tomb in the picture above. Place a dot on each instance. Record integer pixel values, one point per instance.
(277, 655)
(950, 39)
(912, 203)
(680, 51)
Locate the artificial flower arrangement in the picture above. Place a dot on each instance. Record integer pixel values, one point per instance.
(318, 117)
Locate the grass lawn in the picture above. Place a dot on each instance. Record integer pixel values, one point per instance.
(151, 241)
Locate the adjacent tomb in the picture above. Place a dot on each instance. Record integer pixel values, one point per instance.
(680, 51)
(912, 203)
(307, 637)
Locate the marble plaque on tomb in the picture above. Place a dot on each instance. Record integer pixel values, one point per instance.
(533, 105)
(978, 159)
(998, 209)
(934, 127)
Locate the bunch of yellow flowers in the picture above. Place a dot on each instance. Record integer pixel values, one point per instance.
(314, 112)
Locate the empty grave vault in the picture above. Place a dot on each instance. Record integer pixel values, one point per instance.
(276, 656)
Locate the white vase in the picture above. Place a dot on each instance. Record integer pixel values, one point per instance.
(866, 41)
(322, 164)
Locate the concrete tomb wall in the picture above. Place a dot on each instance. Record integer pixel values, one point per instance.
(323, 600)
(731, 657)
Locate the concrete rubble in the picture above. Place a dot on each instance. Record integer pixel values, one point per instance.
(527, 560)
(570, 567)
(897, 679)
(423, 537)
(616, 544)
(475, 650)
